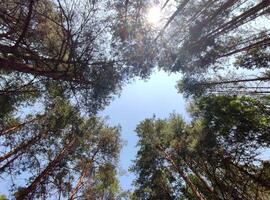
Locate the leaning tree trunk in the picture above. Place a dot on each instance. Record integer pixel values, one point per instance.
(208, 187)
(10, 65)
(84, 173)
(9, 162)
(194, 189)
(239, 20)
(18, 126)
(45, 173)
(20, 148)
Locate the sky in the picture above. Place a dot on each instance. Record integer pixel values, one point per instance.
(139, 100)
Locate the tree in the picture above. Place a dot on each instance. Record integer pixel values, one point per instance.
(202, 38)
(105, 184)
(59, 148)
(73, 44)
(152, 158)
(154, 180)
(203, 86)
(214, 157)
(228, 145)
(70, 58)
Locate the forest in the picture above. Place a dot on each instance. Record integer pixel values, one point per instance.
(64, 61)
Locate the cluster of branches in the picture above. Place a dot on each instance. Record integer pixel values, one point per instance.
(59, 152)
(70, 57)
(85, 46)
(205, 36)
(65, 60)
(216, 156)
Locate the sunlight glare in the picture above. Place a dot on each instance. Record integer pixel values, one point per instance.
(154, 15)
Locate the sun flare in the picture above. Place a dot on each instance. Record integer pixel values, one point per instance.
(154, 15)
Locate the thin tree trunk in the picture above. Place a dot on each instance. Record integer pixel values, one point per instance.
(179, 9)
(45, 173)
(235, 81)
(28, 69)
(251, 12)
(223, 7)
(165, 4)
(251, 46)
(256, 179)
(84, 173)
(208, 187)
(13, 128)
(21, 147)
(7, 164)
(183, 175)
(26, 24)
(212, 177)
(16, 92)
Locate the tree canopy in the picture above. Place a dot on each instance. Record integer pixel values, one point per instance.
(63, 61)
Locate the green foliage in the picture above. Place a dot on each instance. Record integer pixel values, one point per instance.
(217, 152)
(105, 186)
(69, 58)
(36, 145)
(3, 197)
(155, 180)
(236, 119)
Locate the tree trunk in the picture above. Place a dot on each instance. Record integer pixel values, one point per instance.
(233, 23)
(236, 81)
(7, 164)
(208, 187)
(8, 64)
(20, 148)
(26, 23)
(265, 41)
(13, 128)
(179, 9)
(45, 173)
(256, 179)
(183, 175)
(84, 173)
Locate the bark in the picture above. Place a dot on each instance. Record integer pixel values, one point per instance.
(208, 187)
(84, 173)
(9, 65)
(26, 24)
(183, 175)
(235, 81)
(13, 128)
(46, 172)
(213, 178)
(21, 147)
(240, 18)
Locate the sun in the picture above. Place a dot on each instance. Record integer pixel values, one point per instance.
(154, 15)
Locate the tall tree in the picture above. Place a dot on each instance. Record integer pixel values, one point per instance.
(216, 156)
(55, 151)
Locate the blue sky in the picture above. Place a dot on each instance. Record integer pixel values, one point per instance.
(139, 100)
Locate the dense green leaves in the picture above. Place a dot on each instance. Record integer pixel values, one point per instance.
(216, 156)
(61, 62)
(56, 147)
